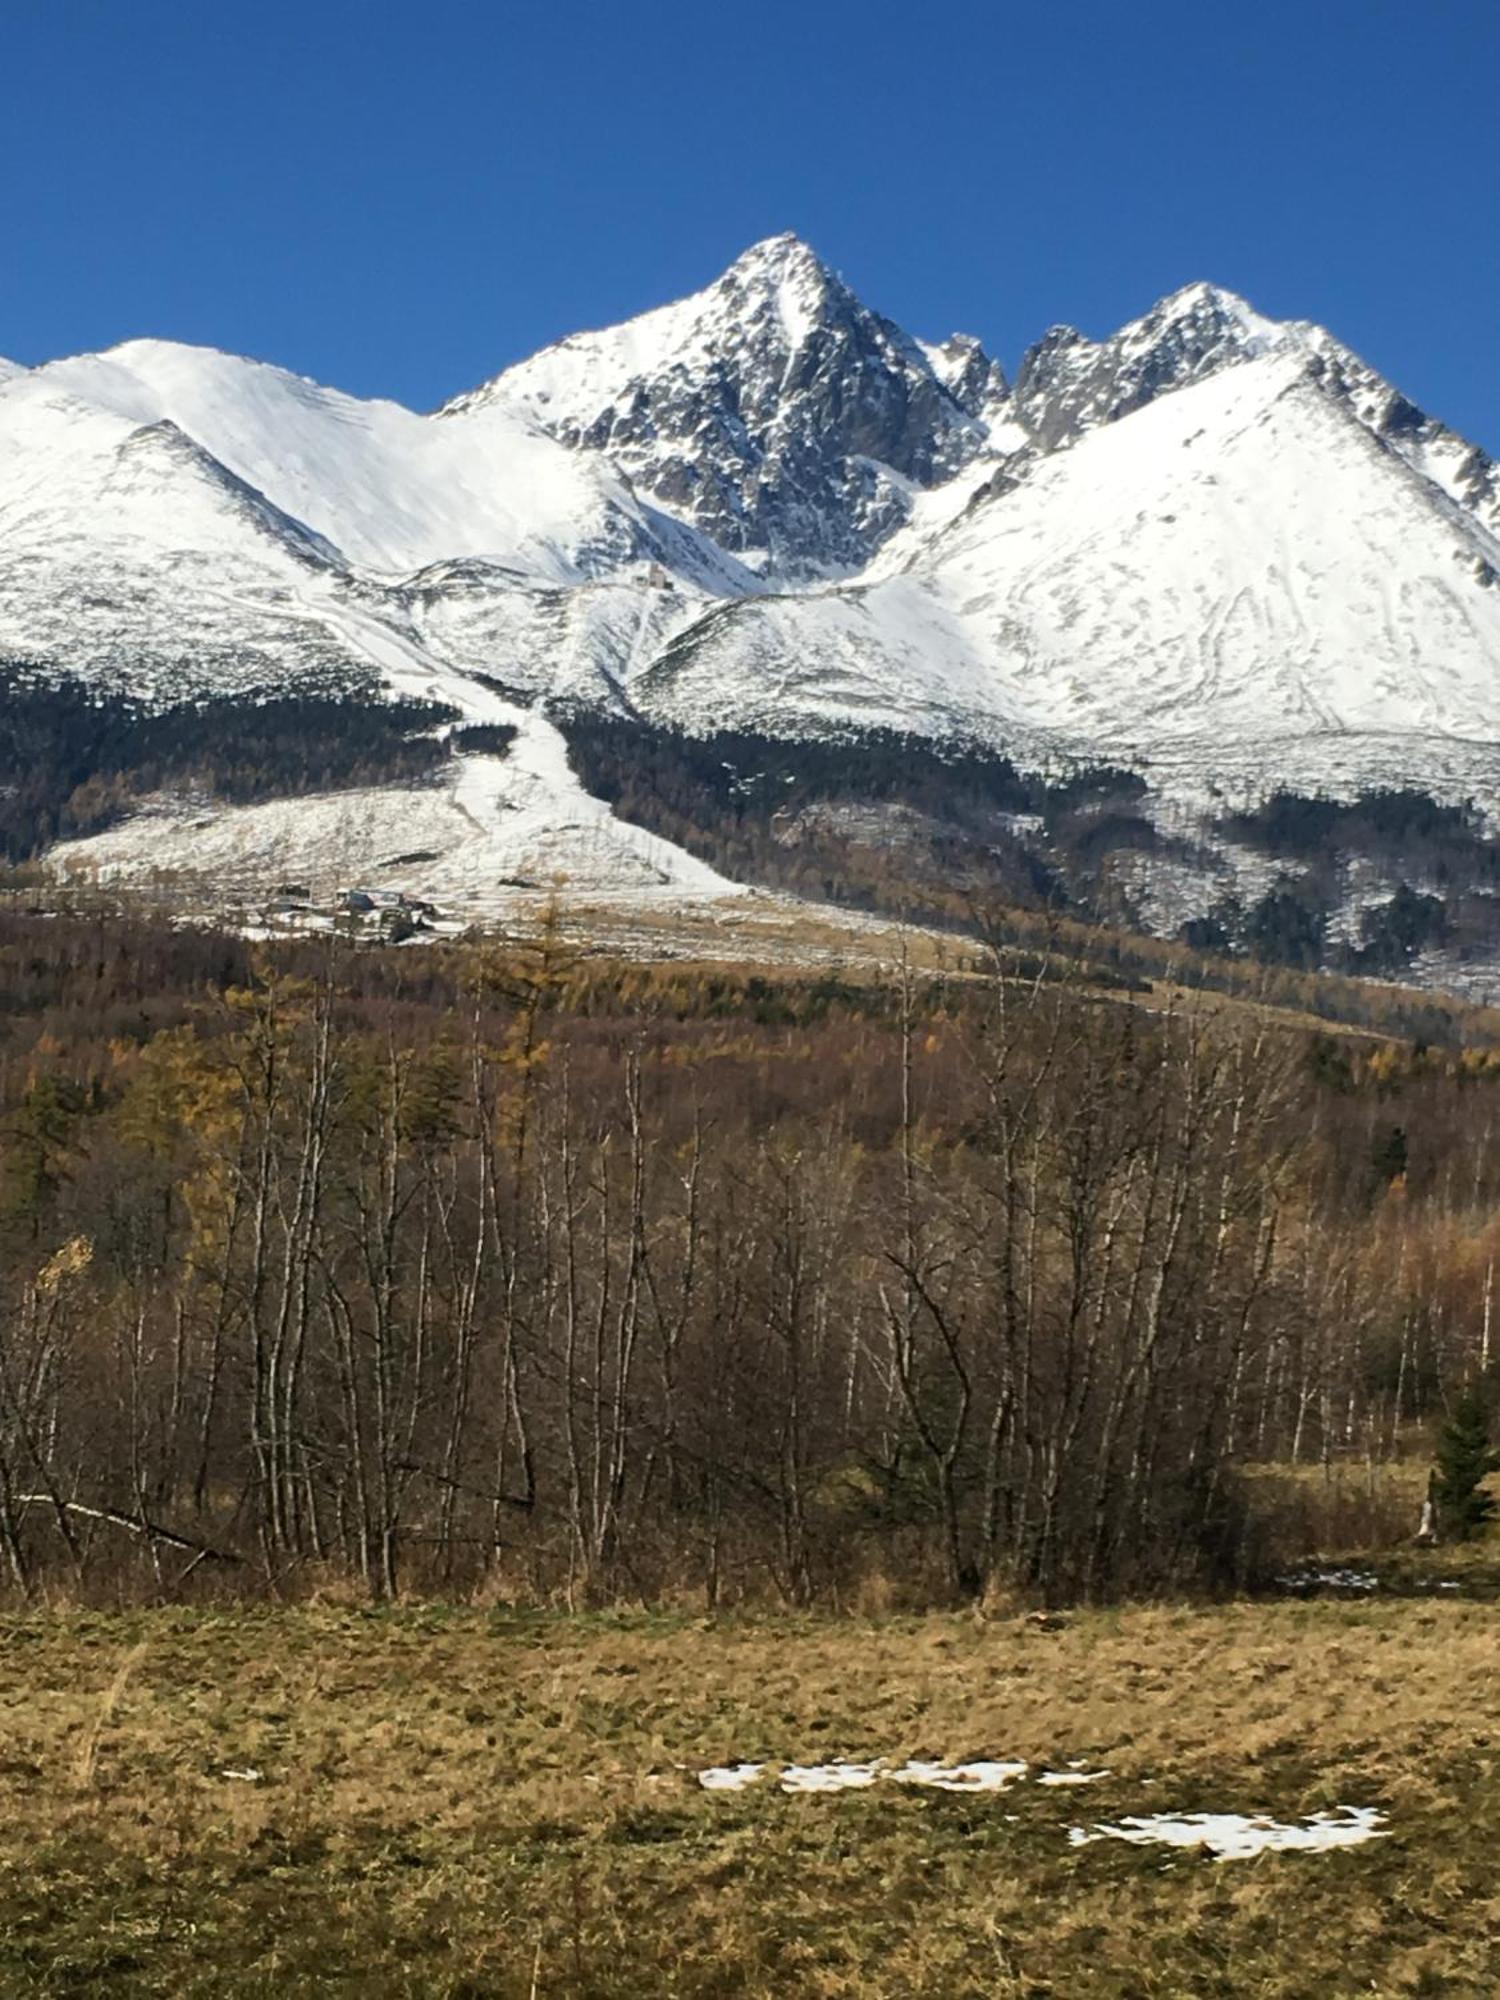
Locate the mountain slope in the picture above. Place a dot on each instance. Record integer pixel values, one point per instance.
(134, 556)
(393, 491)
(179, 521)
(492, 831)
(1242, 560)
(1068, 385)
(774, 410)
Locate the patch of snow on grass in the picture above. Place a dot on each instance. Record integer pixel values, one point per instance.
(730, 1777)
(983, 1776)
(1240, 1836)
(836, 1777)
(1329, 1579)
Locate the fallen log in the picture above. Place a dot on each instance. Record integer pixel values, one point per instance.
(138, 1524)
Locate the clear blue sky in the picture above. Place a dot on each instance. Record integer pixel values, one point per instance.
(402, 198)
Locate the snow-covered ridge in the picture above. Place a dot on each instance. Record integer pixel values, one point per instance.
(773, 409)
(391, 490)
(1210, 543)
(1239, 561)
(1068, 384)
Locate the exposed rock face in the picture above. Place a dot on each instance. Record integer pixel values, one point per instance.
(975, 382)
(1068, 384)
(774, 410)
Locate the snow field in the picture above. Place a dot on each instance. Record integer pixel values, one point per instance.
(981, 1775)
(1226, 1836)
(1242, 1836)
(492, 826)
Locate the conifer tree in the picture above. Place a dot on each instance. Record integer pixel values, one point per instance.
(1465, 1459)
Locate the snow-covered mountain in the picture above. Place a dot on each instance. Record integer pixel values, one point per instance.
(586, 511)
(390, 491)
(1241, 561)
(178, 521)
(1068, 385)
(773, 410)
(1212, 546)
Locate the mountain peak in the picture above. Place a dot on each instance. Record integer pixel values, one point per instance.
(148, 347)
(1201, 297)
(786, 276)
(974, 381)
(784, 253)
(1208, 323)
(164, 446)
(773, 409)
(1068, 384)
(1060, 339)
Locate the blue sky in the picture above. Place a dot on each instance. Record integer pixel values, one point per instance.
(401, 199)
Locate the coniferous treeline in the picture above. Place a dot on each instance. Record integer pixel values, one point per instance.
(1393, 825)
(487, 739)
(952, 825)
(911, 827)
(583, 1285)
(73, 759)
(1410, 837)
(877, 820)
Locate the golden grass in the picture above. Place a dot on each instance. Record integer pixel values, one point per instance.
(88, 1751)
(793, 940)
(462, 1803)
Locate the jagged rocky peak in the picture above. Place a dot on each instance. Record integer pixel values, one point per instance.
(787, 272)
(1067, 383)
(972, 377)
(774, 410)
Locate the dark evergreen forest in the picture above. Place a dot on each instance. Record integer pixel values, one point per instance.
(73, 759)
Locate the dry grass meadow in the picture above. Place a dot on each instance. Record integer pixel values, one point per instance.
(469, 1802)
